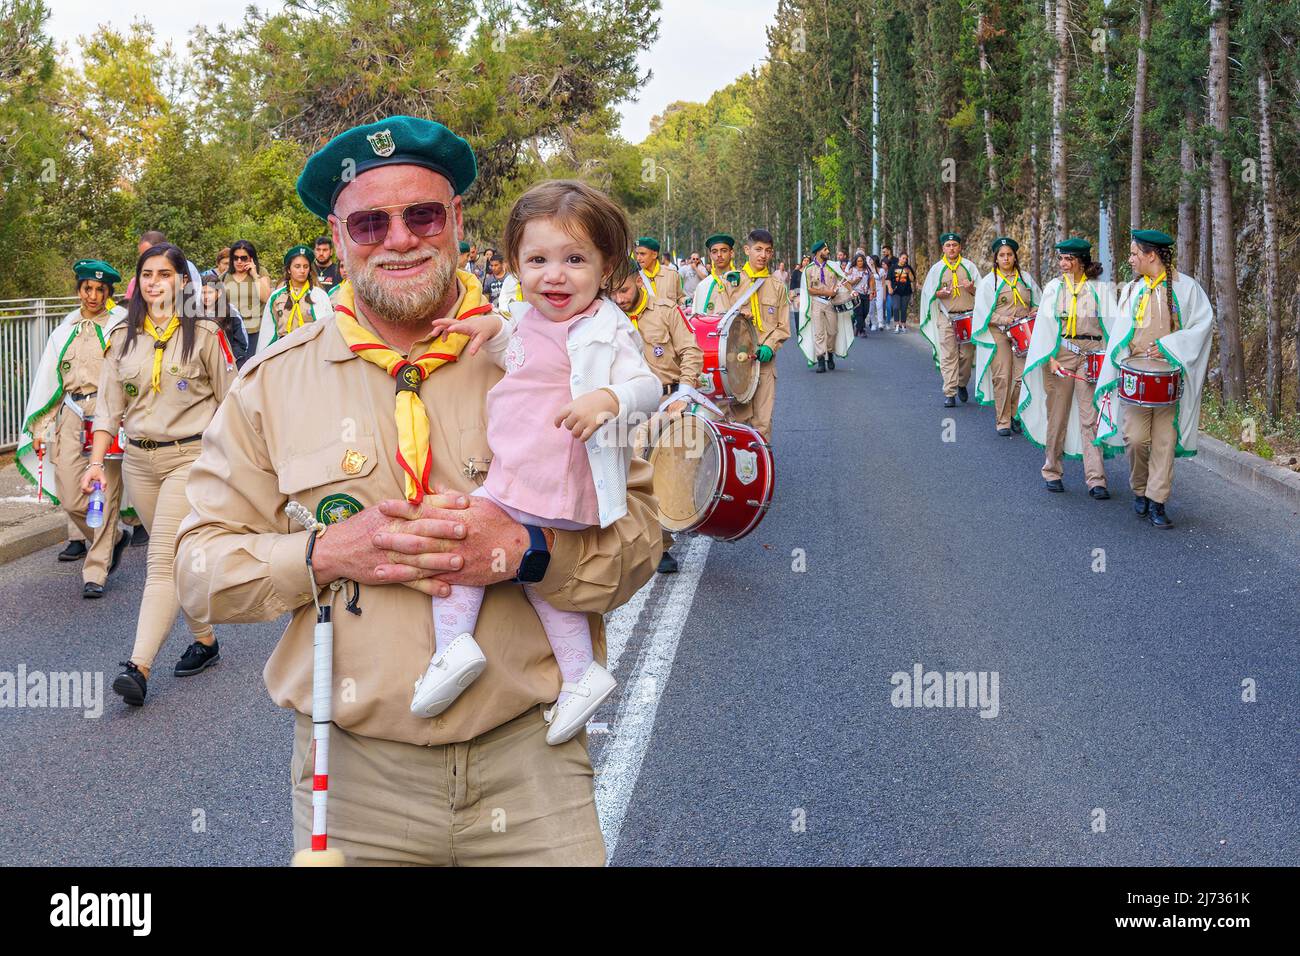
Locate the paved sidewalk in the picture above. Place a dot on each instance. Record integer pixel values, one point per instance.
(26, 525)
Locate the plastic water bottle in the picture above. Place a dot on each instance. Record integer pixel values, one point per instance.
(95, 511)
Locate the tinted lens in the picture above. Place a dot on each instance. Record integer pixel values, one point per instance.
(368, 226)
(425, 218)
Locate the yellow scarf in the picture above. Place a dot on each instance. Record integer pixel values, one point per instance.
(294, 318)
(413, 454)
(651, 277)
(641, 303)
(159, 342)
(755, 312)
(1072, 320)
(1146, 296)
(952, 269)
(1014, 282)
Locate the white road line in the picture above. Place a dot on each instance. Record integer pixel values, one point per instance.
(620, 624)
(621, 765)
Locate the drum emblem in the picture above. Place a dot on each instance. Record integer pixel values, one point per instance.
(746, 465)
(706, 380)
(1130, 382)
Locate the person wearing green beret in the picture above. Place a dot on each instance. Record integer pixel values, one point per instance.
(1004, 297)
(462, 261)
(663, 281)
(713, 296)
(948, 297)
(1163, 321)
(826, 317)
(62, 398)
(765, 301)
(298, 300)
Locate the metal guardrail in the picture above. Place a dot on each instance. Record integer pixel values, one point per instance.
(25, 327)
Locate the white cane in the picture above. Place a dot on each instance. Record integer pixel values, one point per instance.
(322, 679)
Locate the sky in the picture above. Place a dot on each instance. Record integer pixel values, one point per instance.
(703, 44)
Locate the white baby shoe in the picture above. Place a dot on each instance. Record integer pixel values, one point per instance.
(449, 673)
(588, 693)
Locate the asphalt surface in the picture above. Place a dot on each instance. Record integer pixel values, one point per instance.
(775, 740)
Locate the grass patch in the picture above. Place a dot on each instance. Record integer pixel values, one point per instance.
(1249, 428)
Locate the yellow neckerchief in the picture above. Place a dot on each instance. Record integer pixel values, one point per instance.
(413, 454)
(650, 276)
(159, 341)
(641, 303)
(754, 311)
(952, 268)
(294, 318)
(1014, 282)
(519, 291)
(1072, 320)
(1147, 292)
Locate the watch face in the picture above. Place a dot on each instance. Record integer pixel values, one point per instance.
(533, 567)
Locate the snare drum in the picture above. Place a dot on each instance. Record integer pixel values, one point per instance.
(1019, 333)
(961, 322)
(115, 450)
(1092, 364)
(1149, 382)
(712, 477)
(845, 299)
(730, 369)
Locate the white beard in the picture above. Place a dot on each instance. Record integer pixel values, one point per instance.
(407, 302)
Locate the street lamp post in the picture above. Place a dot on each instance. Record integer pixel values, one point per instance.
(668, 198)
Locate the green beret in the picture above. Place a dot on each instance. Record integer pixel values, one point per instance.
(645, 242)
(1153, 237)
(818, 248)
(1001, 241)
(396, 140)
(96, 269)
(954, 236)
(1074, 246)
(719, 237)
(464, 246)
(297, 251)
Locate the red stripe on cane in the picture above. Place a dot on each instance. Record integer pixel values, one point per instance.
(318, 842)
(320, 781)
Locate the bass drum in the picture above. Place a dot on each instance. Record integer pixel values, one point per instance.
(730, 369)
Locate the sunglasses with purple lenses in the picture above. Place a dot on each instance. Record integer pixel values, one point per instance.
(368, 227)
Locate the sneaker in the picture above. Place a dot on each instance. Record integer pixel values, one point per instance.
(92, 590)
(140, 536)
(587, 694)
(667, 564)
(131, 685)
(197, 657)
(447, 675)
(75, 551)
(830, 361)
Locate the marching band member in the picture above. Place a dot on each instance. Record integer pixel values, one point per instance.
(713, 294)
(663, 281)
(948, 293)
(62, 395)
(1163, 314)
(768, 307)
(299, 301)
(164, 394)
(823, 331)
(1071, 319)
(1004, 296)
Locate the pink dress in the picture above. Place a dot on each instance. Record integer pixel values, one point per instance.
(536, 467)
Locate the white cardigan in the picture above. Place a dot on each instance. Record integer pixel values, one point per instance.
(605, 351)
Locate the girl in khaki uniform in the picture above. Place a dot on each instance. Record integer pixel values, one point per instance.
(1003, 297)
(164, 396)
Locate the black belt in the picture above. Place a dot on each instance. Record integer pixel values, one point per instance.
(81, 396)
(149, 443)
(670, 388)
(1090, 338)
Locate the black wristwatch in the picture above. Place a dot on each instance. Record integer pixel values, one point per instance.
(536, 559)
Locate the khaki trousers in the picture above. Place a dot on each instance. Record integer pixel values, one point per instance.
(1152, 438)
(757, 412)
(955, 361)
(155, 479)
(69, 465)
(1059, 393)
(1007, 368)
(825, 323)
(505, 798)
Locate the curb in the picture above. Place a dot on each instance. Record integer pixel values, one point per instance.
(33, 535)
(1251, 471)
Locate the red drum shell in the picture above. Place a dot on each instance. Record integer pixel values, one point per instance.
(1092, 365)
(961, 322)
(1019, 333)
(115, 449)
(1148, 382)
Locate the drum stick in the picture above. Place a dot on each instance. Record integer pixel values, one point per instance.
(40, 473)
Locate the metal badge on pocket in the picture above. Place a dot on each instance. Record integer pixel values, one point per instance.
(474, 467)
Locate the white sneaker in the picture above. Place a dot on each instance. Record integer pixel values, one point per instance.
(449, 673)
(585, 696)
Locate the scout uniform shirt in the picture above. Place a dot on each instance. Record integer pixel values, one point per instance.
(772, 324)
(81, 366)
(671, 349)
(314, 306)
(961, 300)
(310, 421)
(1157, 320)
(189, 389)
(665, 285)
(1086, 320)
(713, 296)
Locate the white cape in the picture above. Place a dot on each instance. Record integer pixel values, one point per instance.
(319, 305)
(843, 326)
(931, 305)
(986, 346)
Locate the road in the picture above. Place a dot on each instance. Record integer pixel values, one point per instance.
(755, 721)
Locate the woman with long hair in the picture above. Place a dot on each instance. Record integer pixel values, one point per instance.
(163, 393)
(1003, 298)
(295, 303)
(862, 278)
(247, 288)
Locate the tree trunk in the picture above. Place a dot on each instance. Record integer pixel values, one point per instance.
(1035, 218)
(1060, 76)
(1268, 189)
(1187, 195)
(1139, 109)
(931, 224)
(950, 207)
(1231, 363)
(990, 154)
(1205, 264)
(911, 234)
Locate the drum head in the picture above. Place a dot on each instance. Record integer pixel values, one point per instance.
(686, 461)
(741, 376)
(1140, 363)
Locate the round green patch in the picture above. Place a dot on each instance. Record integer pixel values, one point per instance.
(335, 508)
(130, 389)
(66, 366)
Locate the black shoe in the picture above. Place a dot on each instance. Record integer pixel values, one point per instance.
(131, 684)
(949, 401)
(1016, 426)
(1158, 518)
(1055, 485)
(1004, 432)
(92, 590)
(139, 537)
(830, 361)
(197, 657)
(667, 564)
(962, 393)
(1141, 504)
(75, 551)
(1099, 492)
(118, 549)
(821, 364)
